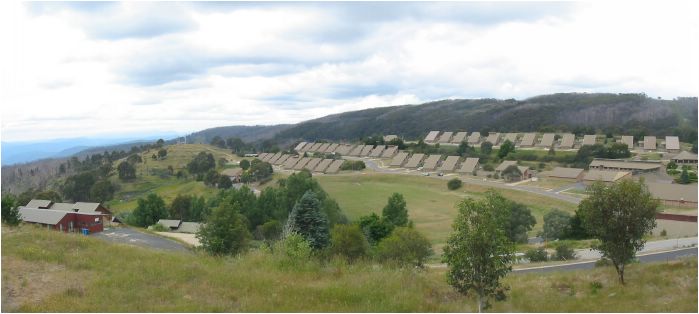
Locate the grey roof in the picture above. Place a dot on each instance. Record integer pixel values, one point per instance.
(589, 139)
(332, 148)
(474, 138)
(315, 147)
(431, 162)
(432, 136)
(344, 149)
(414, 160)
(449, 164)
(334, 166)
(274, 158)
(399, 159)
(389, 152)
(493, 138)
(567, 173)
(628, 140)
(323, 147)
(170, 223)
(673, 192)
(376, 152)
(291, 162)
(189, 227)
(528, 139)
(302, 163)
(458, 137)
(567, 140)
(624, 164)
(299, 146)
(649, 142)
(322, 165)
(43, 216)
(469, 165)
(672, 143)
(356, 151)
(262, 156)
(512, 137)
(39, 204)
(446, 137)
(685, 155)
(68, 207)
(312, 163)
(547, 139)
(366, 150)
(605, 176)
(281, 159)
(505, 164)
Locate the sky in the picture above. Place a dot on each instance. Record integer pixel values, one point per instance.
(126, 68)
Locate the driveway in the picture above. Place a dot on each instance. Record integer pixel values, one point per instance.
(142, 239)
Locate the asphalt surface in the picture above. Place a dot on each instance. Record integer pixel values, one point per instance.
(133, 237)
(646, 258)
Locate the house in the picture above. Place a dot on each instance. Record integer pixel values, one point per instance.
(344, 149)
(458, 137)
(377, 151)
(528, 140)
(291, 162)
(547, 140)
(649, 143)
(512, 137)
(590, 139)
(672, 144)
(189, 227)
(388, 138)
(302, 163)
(605, 176)
(323, 147)
(312, 164)
(446, 137)
(628, 140)
(470, 165)
(233, 174)
(493, 138)
(315, 147)
(334, 166)
(299, 147)
(505, 164)
(389, 152)
(431, 137)
(170, 223)
(65, 221)
(567, 140)
(356, 151)
(625, 165)
(431, 162)
(670, 194)
(474, 138)
(449, 164)
(83, 207)
(281, 160)
(399, 159)
(332, 148)
(685, 158)
(414, 160)
(366, 150)
(43, 204)
(572, 174)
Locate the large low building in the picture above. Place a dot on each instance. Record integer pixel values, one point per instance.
(572, 174)
(83, 207)
(625, 165)
(65, 221)
(685, 158)
(678, 195)
(606, 176)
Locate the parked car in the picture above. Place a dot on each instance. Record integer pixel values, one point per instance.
(427, 174)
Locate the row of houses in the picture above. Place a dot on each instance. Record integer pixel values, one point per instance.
(66, 217)
(377, 151)
(297, 162)
(547, 140)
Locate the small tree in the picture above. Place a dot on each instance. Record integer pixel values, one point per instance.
(348, 241)
(537, 255)
(511, 173)
(406, 247)
(244, 164)
(126, 171)
(10, 211)
(619, 215)
(375, 228)
(162, 153)
(225, 231)
(486, 148)
(307, 219)
(564, 253)
(478, 252)
(556, 224)
(454, 184)
(506, 148)
(395, 211)
(149, 211)
(684, 177)
(224, 182)
(271, 230)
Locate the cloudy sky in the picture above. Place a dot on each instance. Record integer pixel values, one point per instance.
(101, 69)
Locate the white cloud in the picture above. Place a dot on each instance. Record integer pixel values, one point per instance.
(83, 69)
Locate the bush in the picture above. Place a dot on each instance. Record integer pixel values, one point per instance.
(537, 255)
(595, 286)
(295, 247)
(603, 262)
(488, 167)
(454, 184)
(405, 246)
(352, 165)
(159, 228)
(348, 241)
(663, 233)
(556, 224)
(564, 253)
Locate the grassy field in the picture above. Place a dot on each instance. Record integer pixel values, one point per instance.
(46, 271)
(431, 206)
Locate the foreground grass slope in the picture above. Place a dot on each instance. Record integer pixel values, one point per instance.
(45, 271)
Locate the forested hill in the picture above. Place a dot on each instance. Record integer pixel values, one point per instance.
(633, 114)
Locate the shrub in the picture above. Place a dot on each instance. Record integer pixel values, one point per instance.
(375, 228)
(537, 255)
(556, 224)
(159, 227)
(564, 253)
(405, 246)
(663, 233)
(352, 165)
(595, 286)
(10, 210)
(454, 184)
(348, 241)
(295, 247)
(488, 167)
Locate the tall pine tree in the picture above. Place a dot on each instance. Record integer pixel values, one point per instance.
(308, 220)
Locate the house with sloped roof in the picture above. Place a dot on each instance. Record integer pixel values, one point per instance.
(65, 221)
(171, 224)
(572, 174)
(458, 137)
(399, 159)
(528, 140)
(567, 140)
(606, 176)
(469, 166)
(672, 194)
(233, 173)
(431, 137)
(650, 143)
(672, 144)
(628, 140)
(634, 166)
(590, 139)
(685, 158)
(446, 137)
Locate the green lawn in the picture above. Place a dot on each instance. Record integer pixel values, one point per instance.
(47, 271)
(431, 206)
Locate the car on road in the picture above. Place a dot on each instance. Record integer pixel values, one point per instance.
(427, 174)
(441, 174)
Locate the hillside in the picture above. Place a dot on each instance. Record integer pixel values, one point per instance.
(120, 278)
(619, 113)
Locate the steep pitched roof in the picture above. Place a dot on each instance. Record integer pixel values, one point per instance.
(474, 138)
(323, 165)
(43, 216)
(376, 152)
(334, 166)
(432, 136)
(366, 150)
(68, 207)
(332, 148)
(469, 165)
(673, 192)
(311, 164)
(589, 139)
(189, 227)
(547, 139)
(567, 140)
(528, 139)
(446, 137)
(357, 150)
(628, 140)
(431, 162)
(344, 149)
(449, 164)
(299, 146)
(512, 137)
(291, 162)
(274, 158)
(323, 147)
(672, 143)
(302, 163)
(39, 204)
(685, 155)
(605, 176)
(389, 152)
(399, 159)
(649, 142)
(414, 160)
(170, 223)
(505, 164)
(281, 159)
(458, 137)
(493, 138)
(562, 172)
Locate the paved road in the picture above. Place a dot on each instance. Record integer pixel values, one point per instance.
(133, 237)
(645, 258)
(373, 165)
